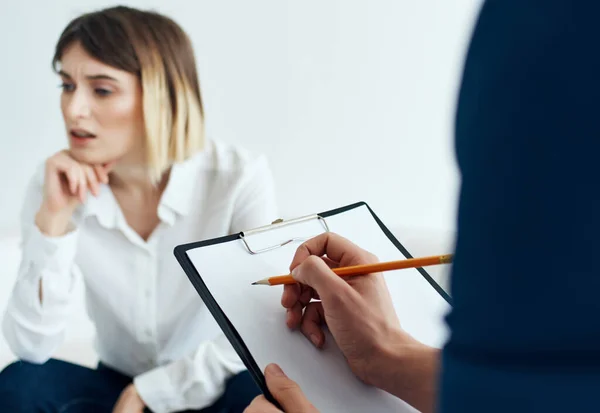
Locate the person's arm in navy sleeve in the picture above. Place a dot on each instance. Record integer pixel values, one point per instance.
(525, 330)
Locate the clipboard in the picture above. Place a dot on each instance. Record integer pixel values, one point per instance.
(182, 255)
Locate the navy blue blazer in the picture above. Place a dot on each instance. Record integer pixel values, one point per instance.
(526, 277)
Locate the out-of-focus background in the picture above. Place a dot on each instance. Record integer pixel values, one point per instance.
(351, 100)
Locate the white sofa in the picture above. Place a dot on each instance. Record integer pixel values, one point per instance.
(77, 347)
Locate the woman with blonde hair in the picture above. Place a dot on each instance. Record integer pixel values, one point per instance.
(138, 177)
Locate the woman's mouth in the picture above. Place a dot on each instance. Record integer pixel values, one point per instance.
(81, 136)
(81, 133)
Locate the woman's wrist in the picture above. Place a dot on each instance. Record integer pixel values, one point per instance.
(53, 224)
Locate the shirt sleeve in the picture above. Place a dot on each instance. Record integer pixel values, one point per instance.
(255, 203)
(193, 382)
(524, 326)
(34, 329)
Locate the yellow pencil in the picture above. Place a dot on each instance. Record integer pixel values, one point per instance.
(367, 268)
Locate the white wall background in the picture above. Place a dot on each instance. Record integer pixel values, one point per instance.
(350, 99)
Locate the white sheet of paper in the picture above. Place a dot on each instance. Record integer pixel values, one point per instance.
(228, 270)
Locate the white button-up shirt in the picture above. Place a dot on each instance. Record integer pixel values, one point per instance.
(150, 322)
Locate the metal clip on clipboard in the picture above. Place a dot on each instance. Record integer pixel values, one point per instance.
(278, 224)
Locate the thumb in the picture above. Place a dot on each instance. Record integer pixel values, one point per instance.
(315, 273)
(286, 391)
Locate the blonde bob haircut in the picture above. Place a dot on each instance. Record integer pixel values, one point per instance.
(160, 53)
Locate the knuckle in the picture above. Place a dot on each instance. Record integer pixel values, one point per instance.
(324, 237)
(315, 242)
(303, 248)
(52, 162)
(319, 237)
(370, 257)
(312, 262)
(333, 236)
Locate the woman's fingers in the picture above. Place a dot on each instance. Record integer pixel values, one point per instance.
(69, 170)
(92, 180)
(74, 178)
(82, 184)
(101, 174)
(108, 166)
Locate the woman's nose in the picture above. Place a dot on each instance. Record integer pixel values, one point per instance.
(78, 105)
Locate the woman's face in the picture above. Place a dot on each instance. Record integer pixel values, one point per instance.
(102, 109)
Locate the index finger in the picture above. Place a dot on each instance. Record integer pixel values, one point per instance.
(336, 247)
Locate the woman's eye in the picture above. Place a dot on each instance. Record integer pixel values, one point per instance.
(103, 92)
(67, 87)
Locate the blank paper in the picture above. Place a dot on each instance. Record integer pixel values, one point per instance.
(228, 270)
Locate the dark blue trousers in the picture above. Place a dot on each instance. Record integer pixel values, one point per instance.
(60, 387)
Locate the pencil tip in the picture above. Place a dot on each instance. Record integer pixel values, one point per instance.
(254, 283)
(261, 282)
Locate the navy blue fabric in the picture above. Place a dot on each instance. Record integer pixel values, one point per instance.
(60, 387)
(526, 282)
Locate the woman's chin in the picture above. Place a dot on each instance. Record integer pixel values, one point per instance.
(87, 156)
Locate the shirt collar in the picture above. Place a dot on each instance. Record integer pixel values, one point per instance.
(178, 195)
(176, 200)
(104, 207)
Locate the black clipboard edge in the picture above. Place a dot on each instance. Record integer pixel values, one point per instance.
(226, 326)
(229, 330)
(407, 254)
(396, 243)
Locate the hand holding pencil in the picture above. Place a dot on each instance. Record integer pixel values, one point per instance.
(358, 312)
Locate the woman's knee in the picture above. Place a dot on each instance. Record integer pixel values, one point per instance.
(239, 392)
(20, 371)
(19, 386)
